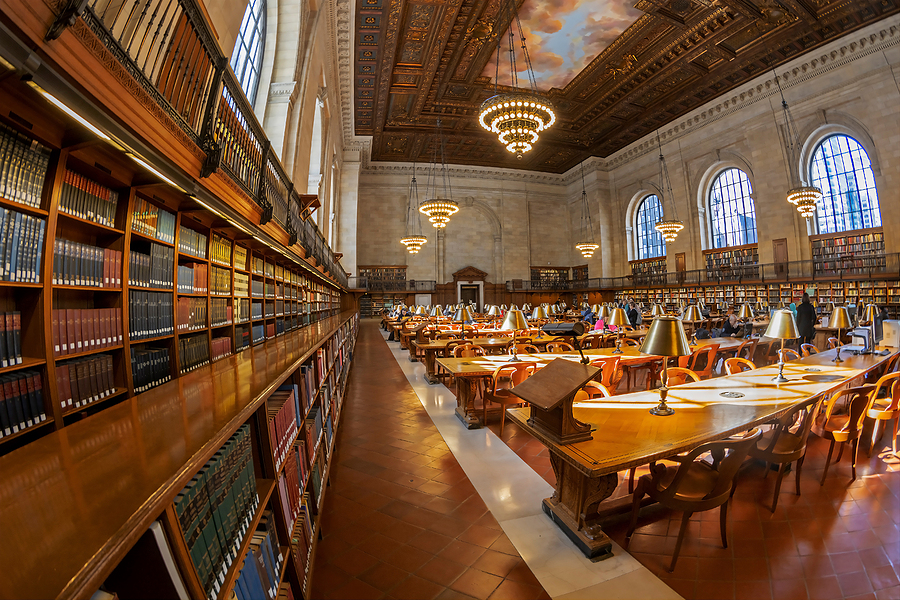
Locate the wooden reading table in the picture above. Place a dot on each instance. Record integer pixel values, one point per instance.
(626, 435)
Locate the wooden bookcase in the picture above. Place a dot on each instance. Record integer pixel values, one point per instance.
(384, 278)
(843, 253)
(649, 271)
(580, 273)
(732, 262)
(549, 278)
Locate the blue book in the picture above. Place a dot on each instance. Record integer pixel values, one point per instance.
(254, 584)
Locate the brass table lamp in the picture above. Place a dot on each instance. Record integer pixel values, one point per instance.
(436, 311)
(782, 327)
(494, 311)
(692, 314)
(840, 319)
(657, 311)
(539, 313)
(746, 315)
(515, 322)
(463, 314)
(666, 338)
(619, 318)
(868, 316)
(596, 308)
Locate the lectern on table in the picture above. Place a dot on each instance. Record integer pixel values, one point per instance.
(551, 393)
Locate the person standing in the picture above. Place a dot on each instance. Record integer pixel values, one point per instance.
(632, 314)
(806, 320)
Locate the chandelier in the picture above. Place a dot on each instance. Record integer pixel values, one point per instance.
(668, 228)
(805, 197)
(439, 209)
(587, 247)
(414, 239)
(516, 117)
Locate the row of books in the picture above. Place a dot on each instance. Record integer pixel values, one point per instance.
(150, 314)
(257, 265)
(289, 492)
(240, 258)
(300, 549)
(257, 288)
(256, 310)
(215, 510)
(75, 330)
(152, 221)
(849, 249)
(220, 347)
(257, 333)
(865, 238)
(241, 285)
(152, 270)
(149, 368)
(21, 402)
(269, 309)
(191, 314)
(192, 278)
(282, 421)
(193, 352)
(241, 338)
(85, 380)
(220, 249)
(21, 246)
(10, 338)
(23, 167)
(75, 263)
(220, 282)
(191, 242)
(219, 311)
(270, 331)
(261, 569)
(241, 310)
(86, 199)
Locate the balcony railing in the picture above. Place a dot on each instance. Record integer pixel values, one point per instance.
(879, 266)
(168, 47)
(412, 285)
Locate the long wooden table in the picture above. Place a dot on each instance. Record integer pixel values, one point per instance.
(626, 435)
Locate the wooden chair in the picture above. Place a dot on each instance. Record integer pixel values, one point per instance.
(747, 349)
(738, 365)
(591, 392)
(842, 428)
(610, 373)
(680, 375)
(523, 348)
(772, 356)
(511, 374)
(631, 342)
(703, 360)
(559, 347)
(808, 350)
(695, 485)
(788, 355)
(833, 343)
(786, 441)
(886, 409)
(467, 350)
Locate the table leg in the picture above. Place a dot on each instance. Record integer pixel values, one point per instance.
(574, 506)
(465, 402)
(430, 375)
(412, 351)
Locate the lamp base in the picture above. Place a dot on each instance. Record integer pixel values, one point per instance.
(780, 378)
(514, 358)
(662, 410)
(838, 359)
(617, 351)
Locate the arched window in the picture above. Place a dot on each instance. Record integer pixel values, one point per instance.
(842, 170)
(650, 243)
(246, 58)
(732, 214)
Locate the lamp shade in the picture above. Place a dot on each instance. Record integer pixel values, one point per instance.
(435, 311)
(502, 307)
(514, 307)
(619, 318)
(870, 313)
(604, 313)
(420, 310)
(514, 321)
(783, 326)
(657, 310)
(495, 311)
(596, 308)
(551, 310)
(692, 314)
(746, 312)
(830, 308)
(539, 313)
(464, 313)
(526, 306)
(666, 338)
(840, 318)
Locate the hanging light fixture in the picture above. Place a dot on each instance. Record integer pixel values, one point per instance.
(414, 239)
(804, 197)
(588, 246)
(516, 117)
(439, 209)
(669, 228)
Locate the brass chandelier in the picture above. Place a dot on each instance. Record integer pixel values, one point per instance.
(414, 239)
(669, 228)
(805, 197)
(588, 246)
(439, 209)
(516, 117)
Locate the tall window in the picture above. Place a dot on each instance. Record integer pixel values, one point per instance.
(842, 170)
(650, 243)
(246, 59)
(732, 215)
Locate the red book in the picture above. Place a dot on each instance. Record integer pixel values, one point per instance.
(118, 328)
(70, 331)
(54, 330)
(65, 392)
(107, 267)
(77, 334)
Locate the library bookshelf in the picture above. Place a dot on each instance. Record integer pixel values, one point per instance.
(82, 498)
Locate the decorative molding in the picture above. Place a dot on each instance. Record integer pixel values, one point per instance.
(280, 93)
(464, 171)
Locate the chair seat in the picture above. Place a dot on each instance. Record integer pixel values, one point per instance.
(504, 397)
(881, 405)
(698, 482)
(824, 427)
(786, 444)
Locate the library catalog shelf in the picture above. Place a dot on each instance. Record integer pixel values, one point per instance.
(104, 229)
(88, 352)
(23, 432)
(150, 238)
(116, 393)
(27, 363)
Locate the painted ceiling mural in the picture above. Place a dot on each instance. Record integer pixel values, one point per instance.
(563, 37)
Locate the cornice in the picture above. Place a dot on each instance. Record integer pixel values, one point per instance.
(344, 11)
(464, 171)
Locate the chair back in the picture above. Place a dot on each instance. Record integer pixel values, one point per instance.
(787, 441)
(833, 343)
(808, 349)
(788, 354)
(592, 391)
(467, 350)
(727, 454)
(891, 381)
(521, 348)
(857, 401)
(679, 375)
(703, 359)
(559, 347)
(747, 349)
(631, 342)
(738, 365)
(448, 335)
(512, 374)
(610, 373)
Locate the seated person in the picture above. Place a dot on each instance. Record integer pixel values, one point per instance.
(587, 315)
(599, 326)
(731, 327)
(702, 333)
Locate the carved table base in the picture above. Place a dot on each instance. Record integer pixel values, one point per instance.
(430, 376)
(465, 402)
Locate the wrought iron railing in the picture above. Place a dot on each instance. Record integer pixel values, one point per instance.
(168, 47)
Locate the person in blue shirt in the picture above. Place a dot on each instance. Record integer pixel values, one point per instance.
(588, 315)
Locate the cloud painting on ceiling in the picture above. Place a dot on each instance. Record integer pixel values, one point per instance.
(563, 37)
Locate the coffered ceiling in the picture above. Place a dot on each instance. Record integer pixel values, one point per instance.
(615, 70)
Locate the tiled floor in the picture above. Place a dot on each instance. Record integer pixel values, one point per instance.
(401, 520)
(841, 540)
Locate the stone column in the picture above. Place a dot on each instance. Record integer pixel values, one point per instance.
(345, 240)
(278, 111)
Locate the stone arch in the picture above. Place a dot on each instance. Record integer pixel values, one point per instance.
(724, 160)
(647, 188)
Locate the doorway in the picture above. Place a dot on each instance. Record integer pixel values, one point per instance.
(468, 294)
(680, 265)
(780, 254)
